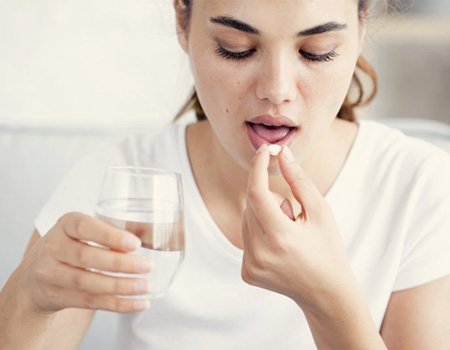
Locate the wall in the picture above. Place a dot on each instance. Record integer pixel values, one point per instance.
(410, 54)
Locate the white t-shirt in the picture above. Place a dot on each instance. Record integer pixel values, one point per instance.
(391, 202)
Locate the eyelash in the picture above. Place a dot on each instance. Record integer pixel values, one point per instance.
(327, 57)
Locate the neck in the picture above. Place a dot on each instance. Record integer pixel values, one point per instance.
(216, 173)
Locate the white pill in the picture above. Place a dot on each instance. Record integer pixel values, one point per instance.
(274, 150)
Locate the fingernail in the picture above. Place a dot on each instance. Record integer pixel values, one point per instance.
(131, 242)
(288, 154)
(142, 286)
(143, 265)
(261, 148)
(141, 304)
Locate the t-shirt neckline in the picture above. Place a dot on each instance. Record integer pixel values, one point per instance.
(345, 174)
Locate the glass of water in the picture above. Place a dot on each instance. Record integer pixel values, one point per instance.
(149, 203)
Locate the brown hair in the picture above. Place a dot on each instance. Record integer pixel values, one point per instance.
(357, 95)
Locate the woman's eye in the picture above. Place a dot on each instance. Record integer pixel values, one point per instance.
(327, 57)
(234, 55)
(241, 55)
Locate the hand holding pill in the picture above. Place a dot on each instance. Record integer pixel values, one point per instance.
(294, 256)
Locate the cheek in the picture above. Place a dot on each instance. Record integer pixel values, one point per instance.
(323, 93)
(217, 86)
(327, 87)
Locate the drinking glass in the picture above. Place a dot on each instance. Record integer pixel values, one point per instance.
(147, 202)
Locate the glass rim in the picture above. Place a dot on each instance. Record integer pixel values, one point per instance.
(147, 171)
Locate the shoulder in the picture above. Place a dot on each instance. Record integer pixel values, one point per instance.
(155, 148)
(146, 138)
(400, 170)
(143, 148)
(138, 147)
(390, 148)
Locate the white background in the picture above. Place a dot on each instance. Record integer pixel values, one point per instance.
(90, 62)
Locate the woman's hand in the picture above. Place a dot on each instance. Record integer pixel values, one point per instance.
(303, 257)
(58, 272)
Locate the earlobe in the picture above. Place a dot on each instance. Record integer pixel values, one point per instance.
(361, 43)
(181, 24)
(362, 29)
(362, 36)
(182, 39)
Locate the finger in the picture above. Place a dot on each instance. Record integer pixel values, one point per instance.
(259, 196)
(97, 283)
(303, 189)
(256, 229)
(139, 229)
(256, 241)
(258, 174)
(85, 228)
(250, 240)
(84, 300)
(246, 234)
(252, 228)
(82, 255)
(247, 248)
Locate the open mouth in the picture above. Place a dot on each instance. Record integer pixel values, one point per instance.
(259, 134)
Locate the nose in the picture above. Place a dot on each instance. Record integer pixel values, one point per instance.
(276, 80)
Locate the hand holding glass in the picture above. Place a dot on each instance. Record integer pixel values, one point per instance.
(147, 202)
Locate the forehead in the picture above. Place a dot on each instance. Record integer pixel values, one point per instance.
(284, 16)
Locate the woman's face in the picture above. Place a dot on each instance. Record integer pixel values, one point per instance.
(256, 60)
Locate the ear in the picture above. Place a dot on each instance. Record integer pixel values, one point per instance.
(362, 31)
(181, 25)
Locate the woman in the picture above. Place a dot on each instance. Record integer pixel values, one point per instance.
(348, 225)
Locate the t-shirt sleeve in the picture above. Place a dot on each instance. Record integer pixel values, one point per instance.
(79, 189)
(426, 251)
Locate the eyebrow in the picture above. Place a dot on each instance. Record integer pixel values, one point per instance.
(244, 27)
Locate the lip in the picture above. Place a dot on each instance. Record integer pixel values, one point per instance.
(267, 119)
(257, 140)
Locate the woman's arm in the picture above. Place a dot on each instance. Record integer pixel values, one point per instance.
(21, 327)
(344, 323)
(419, 318)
